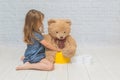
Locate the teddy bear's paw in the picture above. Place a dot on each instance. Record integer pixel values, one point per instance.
(68, 54)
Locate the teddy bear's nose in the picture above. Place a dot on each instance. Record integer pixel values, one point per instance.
(61, 37)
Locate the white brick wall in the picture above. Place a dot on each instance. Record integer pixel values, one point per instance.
(96, 22)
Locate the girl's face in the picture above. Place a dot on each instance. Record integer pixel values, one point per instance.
(39, 24)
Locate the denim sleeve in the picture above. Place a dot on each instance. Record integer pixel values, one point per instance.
(38, 36)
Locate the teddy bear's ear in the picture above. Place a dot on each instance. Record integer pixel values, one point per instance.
(68, 21)
(51, 21)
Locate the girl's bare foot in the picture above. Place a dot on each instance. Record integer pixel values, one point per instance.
(23, 67)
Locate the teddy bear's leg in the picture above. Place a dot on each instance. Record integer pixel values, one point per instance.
(70, 47)
(67, 53)
(50, 55)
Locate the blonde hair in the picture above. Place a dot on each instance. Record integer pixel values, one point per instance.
(33, 17)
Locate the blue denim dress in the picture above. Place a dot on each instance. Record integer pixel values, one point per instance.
(36, 51)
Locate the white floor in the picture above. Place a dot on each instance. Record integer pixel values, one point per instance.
(105, 66)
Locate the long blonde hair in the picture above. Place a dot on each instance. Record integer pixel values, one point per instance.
(33, 17)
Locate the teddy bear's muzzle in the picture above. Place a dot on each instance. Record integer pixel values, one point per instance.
(60, 43)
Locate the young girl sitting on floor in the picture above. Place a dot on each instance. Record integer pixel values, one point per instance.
(34, 57)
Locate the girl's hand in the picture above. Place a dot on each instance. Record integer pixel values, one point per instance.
(59, 49)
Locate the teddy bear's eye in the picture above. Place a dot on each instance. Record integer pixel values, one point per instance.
(64, 32)
(56, 32)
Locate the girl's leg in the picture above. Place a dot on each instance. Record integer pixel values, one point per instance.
(42, 65)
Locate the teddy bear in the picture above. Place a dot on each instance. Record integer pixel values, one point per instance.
(59, 36)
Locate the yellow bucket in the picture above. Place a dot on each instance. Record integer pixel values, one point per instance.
(60, 59)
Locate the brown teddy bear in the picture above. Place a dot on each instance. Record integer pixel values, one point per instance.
(59, 36)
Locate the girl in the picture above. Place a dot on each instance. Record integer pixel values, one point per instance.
(35, 52)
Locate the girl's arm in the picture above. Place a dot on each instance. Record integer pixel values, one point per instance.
(48, 45)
